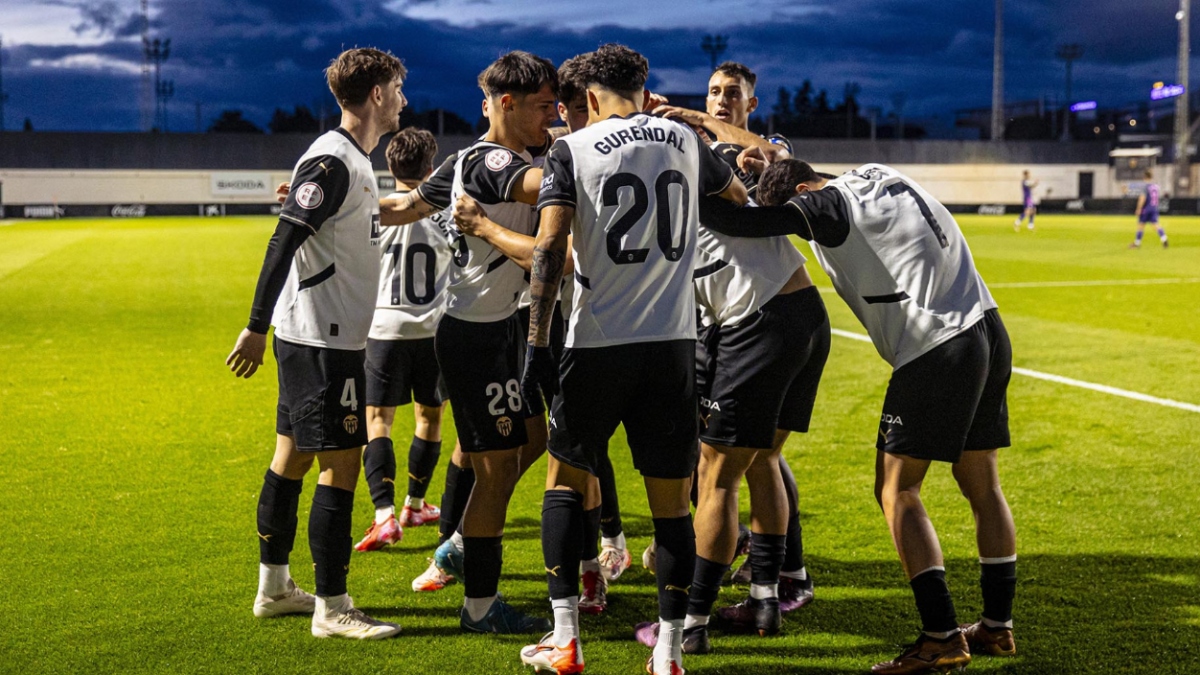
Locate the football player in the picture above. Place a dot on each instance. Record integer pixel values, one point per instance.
(401, 366)
(625, 187)
(899, 260)
(759, 360)
(1028, 201)
(1147, 212)
(324, 261)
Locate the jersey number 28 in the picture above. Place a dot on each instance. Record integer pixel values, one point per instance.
(665, 218)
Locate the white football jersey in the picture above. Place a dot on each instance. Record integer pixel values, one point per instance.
(413, 278)
(484, 284)
(736, 276)
(905, 268)
(634, 183)
(329, 296)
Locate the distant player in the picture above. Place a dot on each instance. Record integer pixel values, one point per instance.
(1028, 201)
(324, 260)
(401, 366)
(759, 359)
(899, 260)
(478, 339)
(626, 188)
(1147, 212)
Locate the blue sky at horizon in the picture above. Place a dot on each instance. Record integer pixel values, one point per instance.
(75, 64)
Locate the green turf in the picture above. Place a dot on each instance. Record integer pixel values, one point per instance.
(132, 461)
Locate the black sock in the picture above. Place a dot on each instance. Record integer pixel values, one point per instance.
(793, 559)
(482, 559)
(423, 457)
(766, 557)
(610, 507)
(379, 463)
(793, 555)
(675, 564)
(591, 534)
(459, 483)
(706, 586)
(277, 504)
(933, 601)
(329, 538)
(563, 539)
(999, 584)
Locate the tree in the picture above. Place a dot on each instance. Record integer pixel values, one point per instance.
(28, 125)
(231, 121)
(300, 121)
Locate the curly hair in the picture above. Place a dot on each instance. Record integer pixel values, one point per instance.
(616, 68)
(570, 85)
(355, 72)
(410, 154)
(778, 183)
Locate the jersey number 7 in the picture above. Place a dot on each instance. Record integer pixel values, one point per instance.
(664, 218)
(895, 189)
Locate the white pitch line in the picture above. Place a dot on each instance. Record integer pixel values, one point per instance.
(1096, 282)
(1102, 388)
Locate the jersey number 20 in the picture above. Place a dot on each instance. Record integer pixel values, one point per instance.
(664, 218)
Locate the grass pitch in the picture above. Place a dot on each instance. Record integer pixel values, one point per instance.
(133, 460)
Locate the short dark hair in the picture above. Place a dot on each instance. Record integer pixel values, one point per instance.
(570, 85)
(616, 68)
(519, 73)
(355, 72)
(735, 69)
(1149, 174)
(410, 154)
(778, 183)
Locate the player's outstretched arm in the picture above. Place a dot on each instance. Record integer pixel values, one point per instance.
(815, 216)
(473, 222)
(549, 264)
(406, 209)
(736, 192)
(755, 159)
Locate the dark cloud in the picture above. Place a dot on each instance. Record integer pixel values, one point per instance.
(256, 55)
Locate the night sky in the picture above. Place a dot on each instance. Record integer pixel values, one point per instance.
(75, 64)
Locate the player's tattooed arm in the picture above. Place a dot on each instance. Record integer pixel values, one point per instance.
(549, 264)
(405, 209)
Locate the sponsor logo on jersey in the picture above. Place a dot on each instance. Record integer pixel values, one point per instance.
(504, 425)
(309, 196)
(710, 404)
(350, 424)
(498, 159)
(892, 419)
(547, 182)
(129, 211)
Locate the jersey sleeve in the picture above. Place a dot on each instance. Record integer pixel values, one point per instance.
(558, 178)
(319, 187)
(816, 216)
(826, 218)
(715, 173)
(489, 175)
(435, 190)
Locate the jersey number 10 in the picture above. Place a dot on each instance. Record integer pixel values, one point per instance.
(409, 271)
(663, 217)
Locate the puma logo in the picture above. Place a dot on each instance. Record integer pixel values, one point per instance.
(683, 590)
(389, 480)
(419, 480)
(265, 537)
(554, 571)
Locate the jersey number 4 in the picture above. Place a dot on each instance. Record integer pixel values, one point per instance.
(664, 217)
(409, 272)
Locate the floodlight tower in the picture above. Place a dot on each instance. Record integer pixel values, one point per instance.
(3, 96)
(1183, 168)
(157, 51)
(1069, 53)
(147, 91)
(998, 75)
(714, 46)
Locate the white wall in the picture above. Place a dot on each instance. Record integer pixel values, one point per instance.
(950, 183)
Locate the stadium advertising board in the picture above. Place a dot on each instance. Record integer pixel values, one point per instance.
(241, 184)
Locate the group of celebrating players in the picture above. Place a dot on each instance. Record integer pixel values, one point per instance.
(634, 270)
